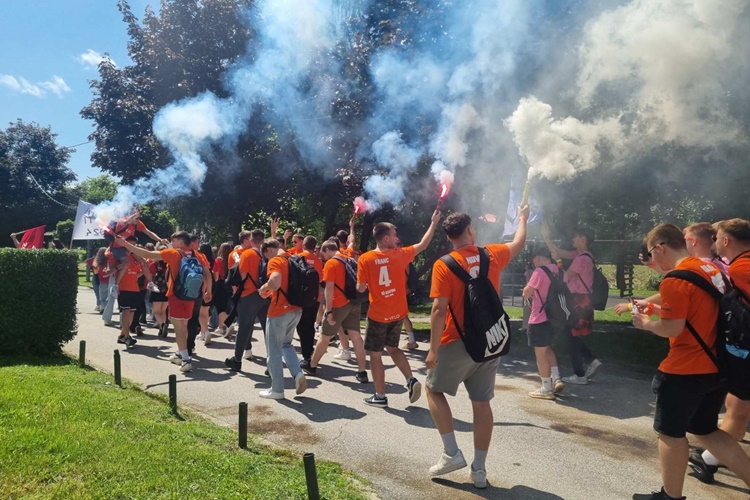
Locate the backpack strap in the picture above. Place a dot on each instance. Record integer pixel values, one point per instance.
(460, 272)
(593, 263)
(343, 261)
(551, 278)
(704, 285)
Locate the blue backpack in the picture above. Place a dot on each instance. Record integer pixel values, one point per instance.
(189, 278)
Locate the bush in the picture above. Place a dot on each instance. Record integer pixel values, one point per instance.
(37, 301)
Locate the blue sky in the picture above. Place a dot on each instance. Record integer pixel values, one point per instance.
(43, 74)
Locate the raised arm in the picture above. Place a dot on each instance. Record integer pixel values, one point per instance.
(352, 239)
(140, 252)
(519, 240)
(15, 241)
(563, 254)
(427, 238)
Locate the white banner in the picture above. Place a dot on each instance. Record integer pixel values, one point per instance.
(86, 227)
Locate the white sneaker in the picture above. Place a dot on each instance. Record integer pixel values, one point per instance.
(542, 394)
(175, 358)
(269, 394)
(207, 338)
(448, 464)
(300, 383)
(200, 336)
(479, 477)
(575, 379)
(186, 366)
(229, 331)
(343, 354)
(558, 385)
(248, 355)
(97, 309)
(593, 369)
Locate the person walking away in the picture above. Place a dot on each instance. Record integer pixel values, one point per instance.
(306, 325)
(448, 363)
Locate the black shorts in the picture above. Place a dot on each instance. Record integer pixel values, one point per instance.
(737, 370)
(158, 297)
(541, 335)
(687, 403)
(129, 300)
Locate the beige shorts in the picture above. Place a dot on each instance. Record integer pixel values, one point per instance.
(455, 366)
(345, 316)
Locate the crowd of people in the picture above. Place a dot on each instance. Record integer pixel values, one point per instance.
(251, 282)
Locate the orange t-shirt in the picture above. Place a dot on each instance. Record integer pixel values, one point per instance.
(129, 281)
(385, 275)
(249, 263)
(683, 300)
(279, 303)
(335, 271)
(447, 284)
(739, 272)
(126, 231)
(317, 264)
(234, 257)
(172, 257)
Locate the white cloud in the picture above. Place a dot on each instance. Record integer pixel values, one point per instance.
(91, 59)
(21, 85)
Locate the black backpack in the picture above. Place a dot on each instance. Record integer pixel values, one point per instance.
(350, 283)
(599, 292)
(304, 282)
(486, 328)
(110, 231)
(733, 323)
(234, 277)
(733, 327)
(559, 300)
(159, 279)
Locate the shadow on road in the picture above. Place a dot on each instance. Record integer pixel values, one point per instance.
(321, 411)
(516, 492)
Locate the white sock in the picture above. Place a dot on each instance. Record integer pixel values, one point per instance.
(450, 446)
(547, 383)
(204, 333)
(709, 458)
(555, 372)
(379, 396)
(480, 457)
(412, 340)
(185, 355)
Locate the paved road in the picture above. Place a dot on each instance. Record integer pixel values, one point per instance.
(595, 442)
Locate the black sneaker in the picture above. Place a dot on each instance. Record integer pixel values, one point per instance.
(121, 340)
(655, 495)
(233, 364)
(703, 471)
(305, 365)
(362, 377)
(415, 389)
(374, 400)
(163, 331)
(139, 331)
(130, 342)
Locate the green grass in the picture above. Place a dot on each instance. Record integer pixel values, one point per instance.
(82, 275)
(67, 432)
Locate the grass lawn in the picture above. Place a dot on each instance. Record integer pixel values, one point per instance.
(82, 276)
(67, 432)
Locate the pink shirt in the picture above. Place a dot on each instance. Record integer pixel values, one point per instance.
(719, 263)
(541, 283)
(583, 264)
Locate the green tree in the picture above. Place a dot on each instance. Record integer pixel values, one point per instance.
(96, 189)
(33, 176)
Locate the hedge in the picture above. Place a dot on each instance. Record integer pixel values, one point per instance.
(37, 301)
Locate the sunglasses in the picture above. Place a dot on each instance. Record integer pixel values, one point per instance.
(652, 249)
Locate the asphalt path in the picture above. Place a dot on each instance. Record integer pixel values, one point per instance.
(594, 442)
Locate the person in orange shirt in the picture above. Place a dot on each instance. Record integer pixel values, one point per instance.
(129, 298)
(180, 311)
(282, 320)
(298, 244)
(688, 392)
(340, 311)
(306, 326)
(201, 306)
(382, 272)
(448, 363)
(251, 305)
(732, 240)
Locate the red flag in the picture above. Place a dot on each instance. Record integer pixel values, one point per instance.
(33, 238)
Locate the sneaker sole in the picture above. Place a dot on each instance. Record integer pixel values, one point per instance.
(300, 385)
(449, 469)
(187, 368)
(540, 396)
(416, 392)
(559, 388)
(376, 405)
(594, 372)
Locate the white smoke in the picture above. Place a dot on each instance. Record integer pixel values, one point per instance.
(664, 59)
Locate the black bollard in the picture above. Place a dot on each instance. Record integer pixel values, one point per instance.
(173, 393)
(311, 476)
(243, 426)
(118, 373)
(82, 354)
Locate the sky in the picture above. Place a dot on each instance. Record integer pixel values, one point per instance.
(48, 52)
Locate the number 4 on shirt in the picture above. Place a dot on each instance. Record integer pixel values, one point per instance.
(384, 279)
